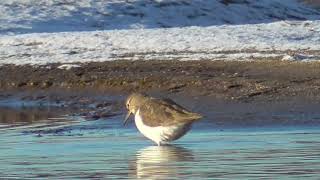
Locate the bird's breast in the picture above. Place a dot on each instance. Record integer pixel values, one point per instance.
(161, 133)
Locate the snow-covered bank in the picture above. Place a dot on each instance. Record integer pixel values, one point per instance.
(227, 42)
(29, 16)
(51, 31)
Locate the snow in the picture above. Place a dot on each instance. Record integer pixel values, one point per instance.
(78, 31)
(68, 66)
(29, 16)
(300, 57)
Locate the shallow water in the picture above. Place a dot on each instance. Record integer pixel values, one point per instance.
(73, 148)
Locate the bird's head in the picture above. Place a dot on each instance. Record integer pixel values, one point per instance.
(133, 103)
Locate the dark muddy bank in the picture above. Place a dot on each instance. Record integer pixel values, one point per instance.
(237, 81)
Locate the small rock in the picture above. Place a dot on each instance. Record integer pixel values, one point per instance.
(21, 84)
(47, 84)
(33, 83)
(101, 105)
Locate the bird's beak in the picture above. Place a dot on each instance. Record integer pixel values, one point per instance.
(127, 118)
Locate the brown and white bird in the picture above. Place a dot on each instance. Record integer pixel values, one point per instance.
(161, 120)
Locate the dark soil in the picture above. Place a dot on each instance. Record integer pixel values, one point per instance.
(237, 81)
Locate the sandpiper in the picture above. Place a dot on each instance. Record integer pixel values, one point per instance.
(161, 120)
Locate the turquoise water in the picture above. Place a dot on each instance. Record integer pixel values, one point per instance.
(73, 148)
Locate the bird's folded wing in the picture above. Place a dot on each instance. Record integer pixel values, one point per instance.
(158, 112)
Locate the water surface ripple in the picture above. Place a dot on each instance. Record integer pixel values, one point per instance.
(98, 149)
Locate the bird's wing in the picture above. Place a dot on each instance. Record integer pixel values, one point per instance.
(165, 112)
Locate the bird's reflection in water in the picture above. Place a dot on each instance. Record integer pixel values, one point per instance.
(161, 162)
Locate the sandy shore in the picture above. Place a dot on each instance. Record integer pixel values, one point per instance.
(236, 81)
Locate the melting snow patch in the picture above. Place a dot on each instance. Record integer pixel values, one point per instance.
(300, 57)
(68, 66)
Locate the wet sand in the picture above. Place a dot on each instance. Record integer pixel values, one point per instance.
(237, 81)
